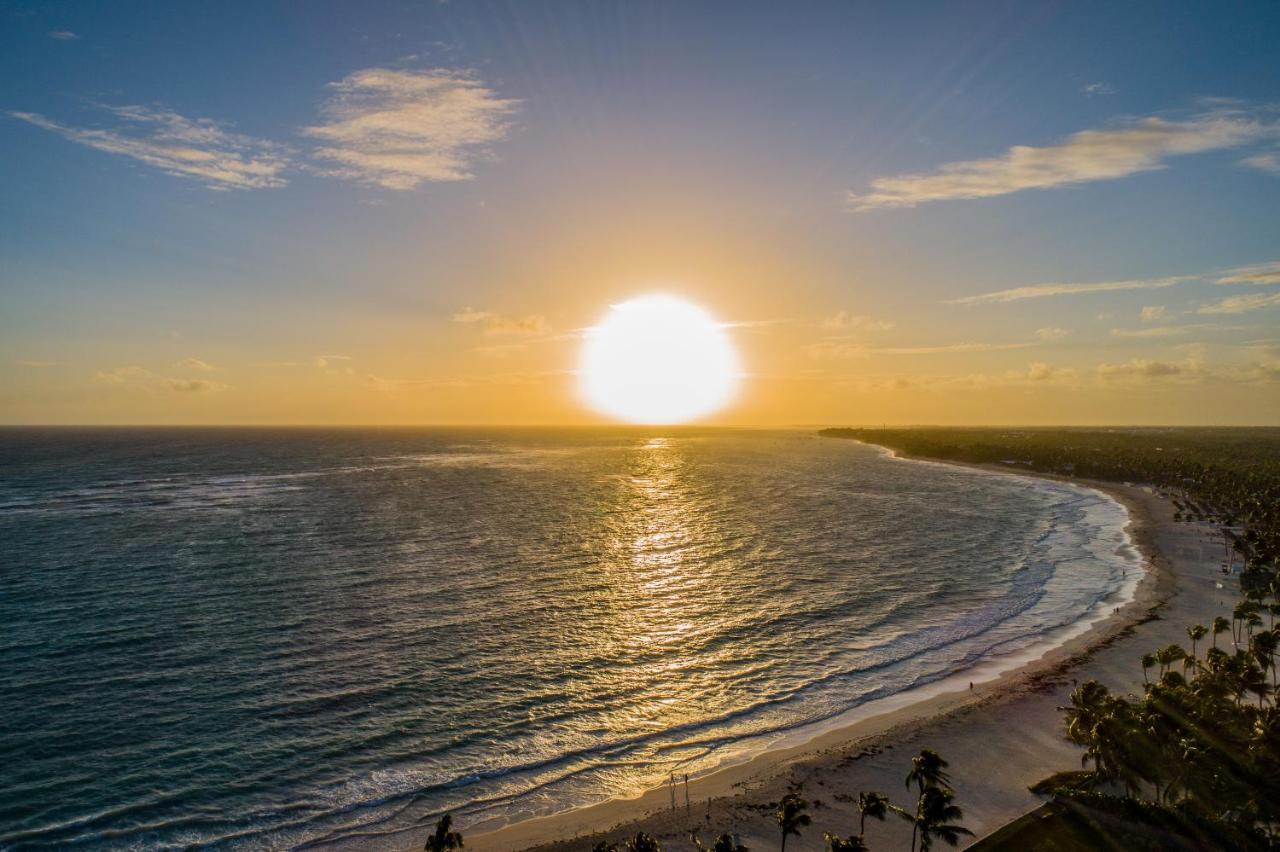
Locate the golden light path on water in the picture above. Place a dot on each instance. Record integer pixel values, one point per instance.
(660, 590)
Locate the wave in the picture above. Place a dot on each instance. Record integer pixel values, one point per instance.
(415, 631)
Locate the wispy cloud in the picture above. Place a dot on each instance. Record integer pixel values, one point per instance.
(63, 35)
(500, 350)
(1038, 371)
(1095, 90)
(1040, 291)
(1140, 368)
(141, 379)
(389, 385)
(496, 324)
(1242, 304)
(1090, 155)
(1052, 333)
(844, 321)
(1154, 331)
(1268, 162)
(196, 364)
(199, 149)
(836, 349)
(950, 347)
(325, 361)
(397, 129)
(122, 375)
(1152, 313)
(34, 364)
(1262, 273)
(193, 385)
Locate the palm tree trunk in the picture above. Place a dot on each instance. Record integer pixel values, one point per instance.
(784, 841)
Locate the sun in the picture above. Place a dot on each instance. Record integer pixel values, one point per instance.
(658, 359)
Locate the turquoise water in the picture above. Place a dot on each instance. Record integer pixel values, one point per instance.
(272, 638)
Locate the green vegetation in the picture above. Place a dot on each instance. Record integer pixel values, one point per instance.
(640, 843)
(444, 839)
(1196, 758)
(724, 843)
(791, 816)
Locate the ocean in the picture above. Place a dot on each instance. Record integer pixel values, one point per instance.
(276, 638)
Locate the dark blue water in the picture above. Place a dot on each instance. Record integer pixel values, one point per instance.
(270, 638)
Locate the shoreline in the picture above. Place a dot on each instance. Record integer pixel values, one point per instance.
(727, 795)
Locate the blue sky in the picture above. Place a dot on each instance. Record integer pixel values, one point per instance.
(782, 164)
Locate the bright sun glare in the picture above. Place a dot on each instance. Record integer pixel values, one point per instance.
(658, 359)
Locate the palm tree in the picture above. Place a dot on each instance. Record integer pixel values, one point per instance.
(1265, 644)
(445, 838)
(928, 772)
(872, 805)
(1220, 625)
(1238, 614)
(791, 816)
(724, 843)
(1148, 660)
(643, 843)
(928, 769)
(1196, 634)
(1089, 718)
(836, 843)
(937, 816)
(1169, 655)
(1254, 679)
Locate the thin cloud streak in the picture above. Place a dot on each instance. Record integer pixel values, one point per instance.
(1262, 273)
(1268, 162)
(141, 379)
(1154, 331)
(1040, 291)
(835, 349)
(1087, 156)
(1242, 304)
(199, 149)
(844, 320)
(496, 324)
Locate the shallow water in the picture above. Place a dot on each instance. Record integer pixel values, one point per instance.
(264, 638)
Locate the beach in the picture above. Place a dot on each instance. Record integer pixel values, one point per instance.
(1000, 734)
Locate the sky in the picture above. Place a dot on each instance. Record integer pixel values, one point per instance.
(408, 213)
